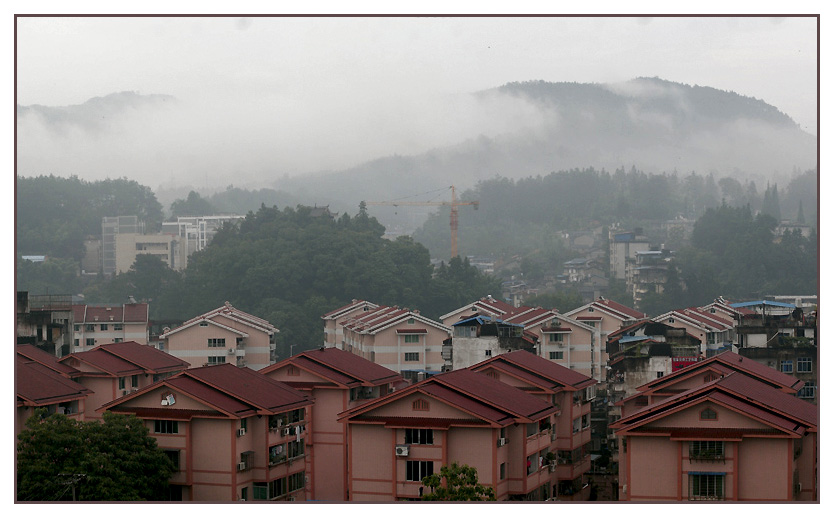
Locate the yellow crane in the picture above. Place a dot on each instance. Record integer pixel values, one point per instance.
(453, 216)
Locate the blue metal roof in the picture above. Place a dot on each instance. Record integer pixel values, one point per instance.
(762, 303)
(483, 320)
(627, 339)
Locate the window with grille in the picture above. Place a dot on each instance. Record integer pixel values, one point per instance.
(217, 342)
(706, 450)
(89, 327)
(554, 338)
(420, 404)
(166, 426)
(809, 390)
(216, 360)
(557, 355)
(104, 327)
(416, 470)
(706, 486)
(411, 339)
(803, 364)
(419, 436)
(90, 341)
(118, 327)
(412, 357)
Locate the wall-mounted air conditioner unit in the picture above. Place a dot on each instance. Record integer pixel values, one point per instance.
(288, 431)
(502, 441)
(401, 450)
(241, 466)
(241, 432)
(231, 351)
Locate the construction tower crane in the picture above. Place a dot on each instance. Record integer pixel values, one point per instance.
(453, 216)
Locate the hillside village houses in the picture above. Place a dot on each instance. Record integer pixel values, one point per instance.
(389, 383)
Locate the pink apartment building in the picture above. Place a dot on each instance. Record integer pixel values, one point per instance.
(571, 393)
(714, 330)
(232, 433)
(333, 334)
(338, 381)
(398, 339)
(459, 416)
(223, 335)
(111, 371)
(42, 382)
(104, 324)
(730, 438)
(487, 306)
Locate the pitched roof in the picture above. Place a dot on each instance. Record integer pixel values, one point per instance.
(487, 305)
(149, 358)
(527, 364)
(32, 353)
(37, 385)
(473, 393)
(127, 313)
(230, 312)
(347, 308)
(105, 362)
(612, 308)
(386, 317)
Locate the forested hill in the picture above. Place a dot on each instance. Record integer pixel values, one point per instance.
(654, 125)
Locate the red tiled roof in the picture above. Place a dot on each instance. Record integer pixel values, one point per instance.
(106, 362)
(619, 308)
(205, 393)
(38, 385)
(547, 369)
(473, 406)
(249, 386)
(136, 313)
(776, 399)
(513, 401)
(30, 352)
(149, 358)
(166, 412)
(348, 307)
(352, 365)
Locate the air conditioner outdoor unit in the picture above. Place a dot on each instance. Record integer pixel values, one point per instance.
(401, 450)
(502, 441)
(288, 430)
(241, 466)
(231, 351)
(241, 432)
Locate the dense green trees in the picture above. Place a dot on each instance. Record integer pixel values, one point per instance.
(456, 483)
(192, 205)
(62, 459)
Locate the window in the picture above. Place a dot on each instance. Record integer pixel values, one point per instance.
(278, 487)
(706, 486)
(488, 353)
(809, 391)
(166, 426)
(260, 491)
(174, 456)
(91, 341)
(243, 423)
(75, 342)
(216, 360)
(76, 327)
(576, 425)
(104, 327)
(532, 463)
(786, 366)
(532, 429)
(492, 374)
(134, 380)
(706, 450)
(803, 364)
(293, 371)
(411, 339)
(412, 357)
(295, 449)
(420, 405)
(585, 421)
(203, 324)
(277, 454)
(416, 470)
(554, 338)
(419, 436)
(708, 414)
(641, 401)
(410, 320)
(671, 320)
(217, 342)
(590, 310)
(295, 481)
(710, 377)
(502, 471)
(118, 327)
(557, 355)
(659, 374)
(121, 383)
(117, 340)
(90, 327)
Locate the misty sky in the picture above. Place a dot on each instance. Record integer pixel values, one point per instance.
(309, 94)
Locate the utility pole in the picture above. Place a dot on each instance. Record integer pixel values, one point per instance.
(453, 216)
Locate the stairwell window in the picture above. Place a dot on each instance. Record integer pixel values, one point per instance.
(416, 470)
(419, 436)
(166, 427)
(706, 450)
(706, 486)
(411, 339)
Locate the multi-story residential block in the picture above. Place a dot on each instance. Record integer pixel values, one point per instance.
(478, 337)
(194, 233)
(714, 330)
(45, 321)
(110, 228)
(571, 393)
(781, 336)
(111, 371)
(42, 382)
(719, 434)
(458, 416)
(333, 320)
(398, 339)
(131, 245)
(223, 335)
(97, 324)
(647, 274)
(232, 433)
(623, 248)
(607, 317)
(338, 381)
(486, 307)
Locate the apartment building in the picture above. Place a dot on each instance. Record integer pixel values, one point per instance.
(111, 371)
(222, 335)
(44, 321)
(232, 433)
(97, 324)
(714, 330)
(476, 338)
(398, 339)
(194, 233)
(623, 249)
(486, 307)
(333, 333)
(111, 227)
(459, 416)
(712, 438)
(130, 245)
(607, 316)
(338, 381)
(42, 382)
(571, 393)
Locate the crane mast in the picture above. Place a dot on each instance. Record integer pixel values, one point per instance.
(453, 213)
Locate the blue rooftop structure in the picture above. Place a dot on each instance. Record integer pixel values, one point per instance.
(771, 303)
(484, 320)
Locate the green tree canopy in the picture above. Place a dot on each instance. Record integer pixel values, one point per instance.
(59, 458)
(193, 205)
(456, 483)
